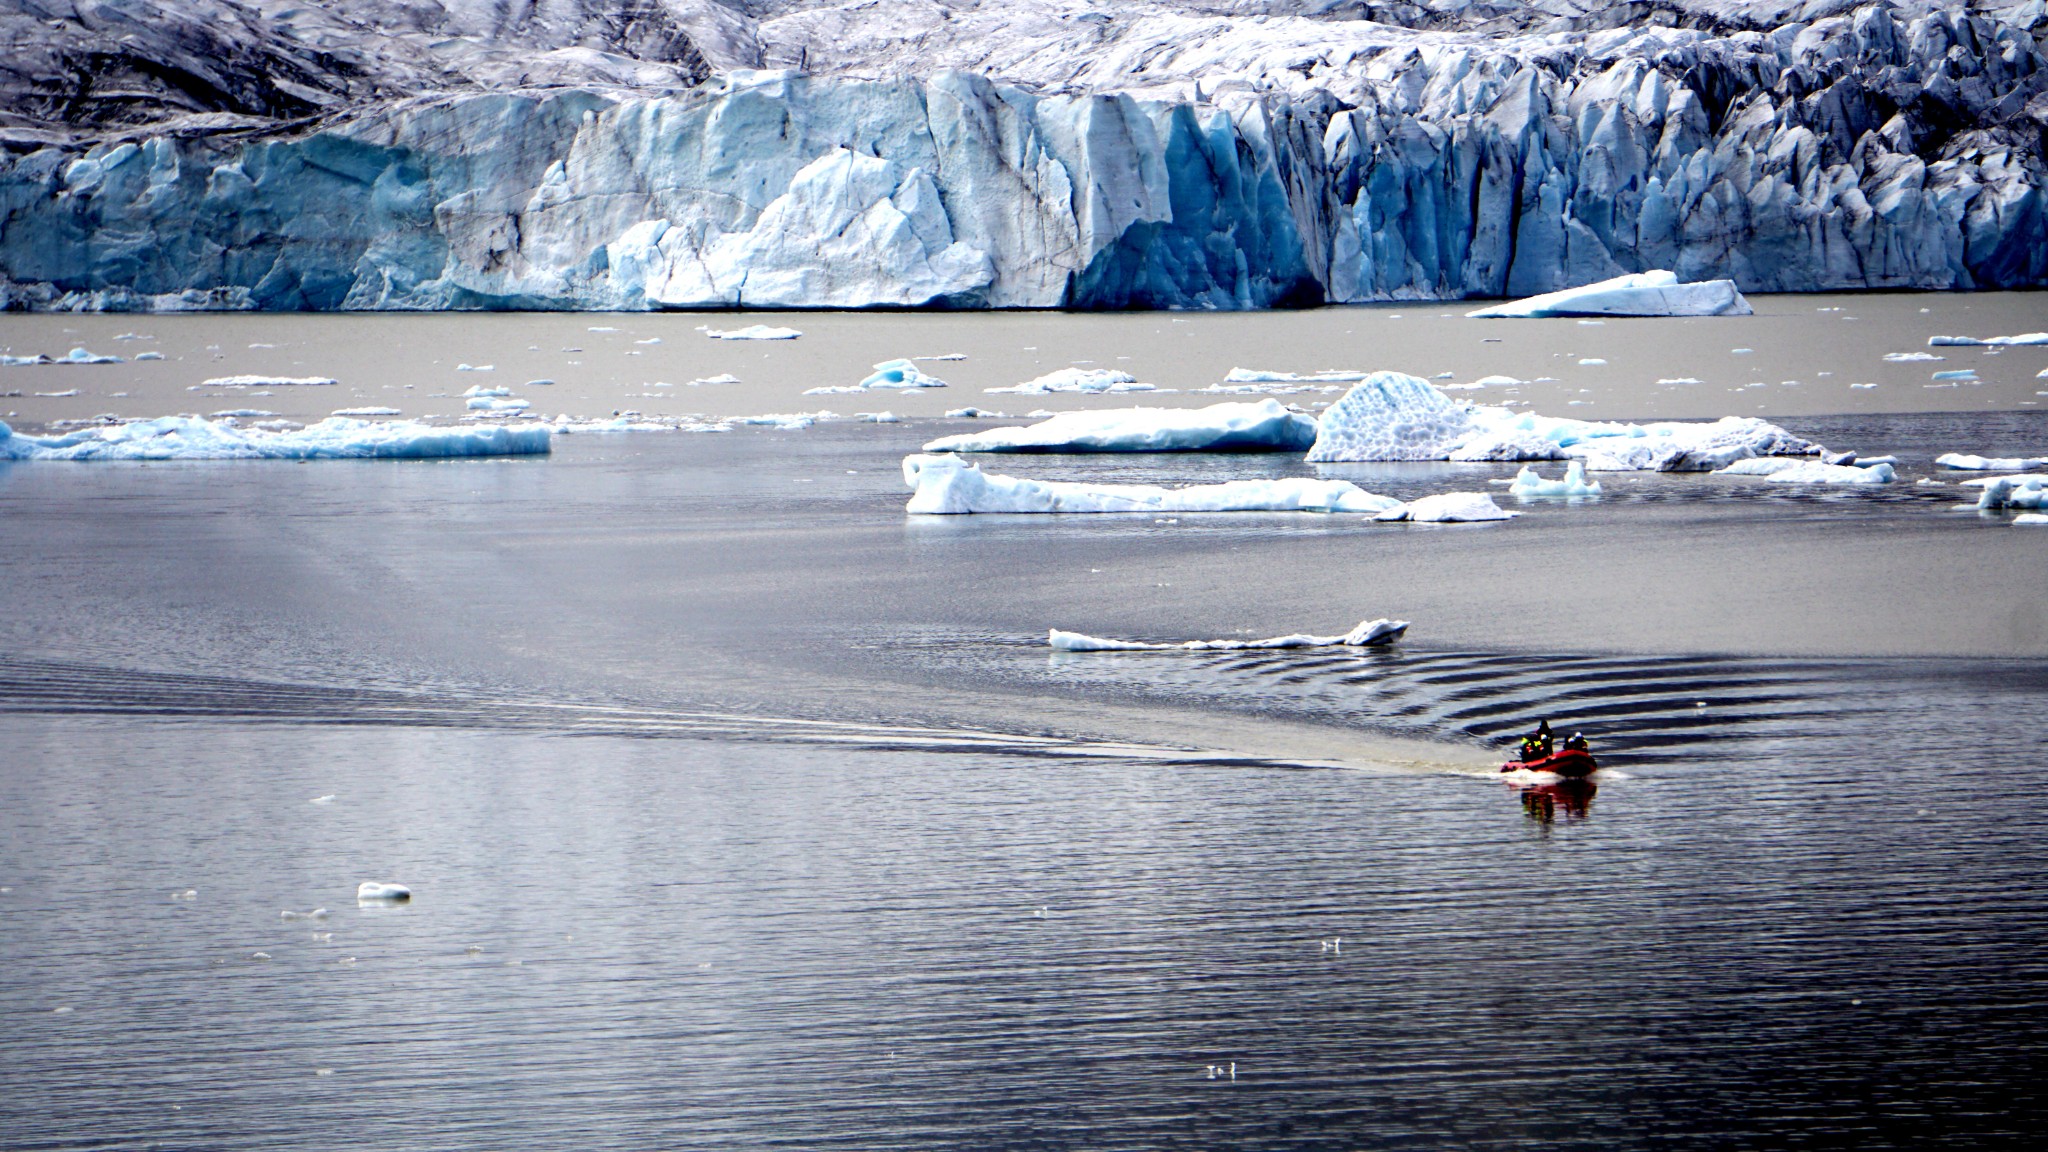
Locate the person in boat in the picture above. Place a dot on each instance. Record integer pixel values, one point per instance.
(1538, 745)
(1576, 742)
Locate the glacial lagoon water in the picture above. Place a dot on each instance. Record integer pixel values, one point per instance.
(744, 811)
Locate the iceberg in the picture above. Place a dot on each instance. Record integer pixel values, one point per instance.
(1239, 426)
(335, 438)
(1988, 341)
(1528, 483)
(1393, 416)
(1656, 293)
(269, 382)
(1090, 380)
(900, 374)
(1962, 462)
(382, 891)
(1446, 508)
(1369, 633)
(753, 332)
(949, 485)
(1782, 470)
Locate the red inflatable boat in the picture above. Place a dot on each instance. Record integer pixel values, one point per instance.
(1565, 762)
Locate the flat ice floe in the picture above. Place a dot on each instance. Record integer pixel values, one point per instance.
(1394, 416)
(1962, 462)
(750, 332)
(269, 382)
(336, 438)
(1783, 470)
(949, 485)
(1369, 633)
(1239, 426)
(1656, 293)
(2031, 519)
(1988, 341)
(1448, 508)
(1261, 376)
(1088, 380)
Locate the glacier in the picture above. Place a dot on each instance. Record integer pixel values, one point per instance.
(469, 154)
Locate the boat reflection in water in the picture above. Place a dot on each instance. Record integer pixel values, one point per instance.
(1570, 798)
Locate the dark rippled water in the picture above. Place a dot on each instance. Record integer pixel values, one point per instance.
(743, 813)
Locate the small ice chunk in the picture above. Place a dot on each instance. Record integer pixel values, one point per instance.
(141, 356)
(649, 340)
(2030, 492)
(900, 374)
(1262, 376)
(879, 417)
(1962, 462)
(750, 332)
(369, 411)
(476, 367)
(943, 356)
(1369, 633)
(972, 413)
(382, 890)
(1654, 293)
(721, 378)
(81, 356)
(2032, 519)
(57, 395)
(1089, 380)
(541, 383)
(1911, 357)
(1529, 483)
(1448, 507)
(1681, 380)
(494, 404)
(1988, 341)
(787, 421)
(1592, 362)
(270, 382)
(1956, 374)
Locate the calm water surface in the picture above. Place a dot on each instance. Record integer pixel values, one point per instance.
(744, 812)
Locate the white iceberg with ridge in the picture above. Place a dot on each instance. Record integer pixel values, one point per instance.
(1394, 416)
(335, 438)
(1657, 293)
(947, 485)
(1238, 426)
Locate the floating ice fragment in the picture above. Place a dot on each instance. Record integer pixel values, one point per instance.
(1681, 380)
(315, 914)
(1261, 376)
(1454, 375)
(601, 328)
(1988, 341)
(327, 799)
(1263, 425)
(2032, 519)
(372, 411)
(1781, 470)
(750, 332)
(1910, 357)
(1956, 374)
(476, 367)
(1528, 483)
(1593, 362)
(649, 340)
(269, 382)
(721, 378)
(495, 404)
(900, 374)
(1091, 380)
(1369, 633)
(2013, 492)
(1966, 463)
(1448, 507)
(1741, 351)
(1863, 385)
(141, 356)
(788, 421)
(1655, 293)
(972, 413)
(375, 890)
(1511, 382)
(57, 395)
(943, 356)
(949, 485)
(541, 383)
(336, 438)
(879, 417)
